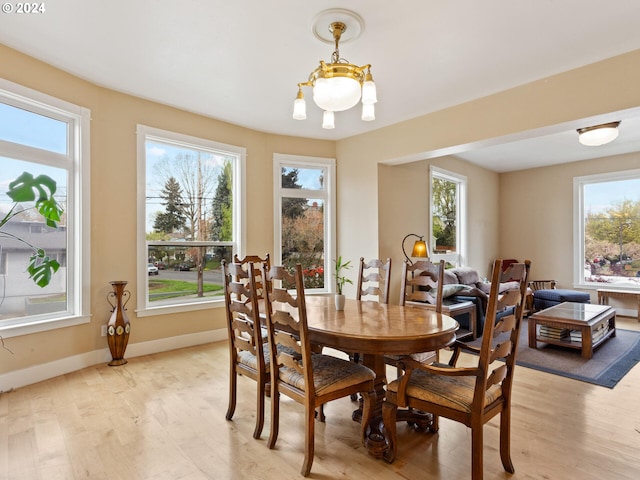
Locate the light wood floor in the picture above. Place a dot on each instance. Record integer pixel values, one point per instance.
(162, 417)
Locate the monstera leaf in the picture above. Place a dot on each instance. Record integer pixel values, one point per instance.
(40, 191)
(41, 268)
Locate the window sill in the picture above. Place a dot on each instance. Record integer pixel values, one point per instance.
(181, 308)
(20, 329)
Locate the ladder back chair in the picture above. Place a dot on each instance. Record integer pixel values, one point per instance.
(247, 356)
(420, 287)
(422, 282)
(311, 379)
(374, 279)
(535, 285)
(469, 395)
(257, 260)
(542, 285)
(257, 272)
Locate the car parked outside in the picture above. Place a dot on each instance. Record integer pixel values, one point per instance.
(160, 265)
(152, 269)
(183, 267)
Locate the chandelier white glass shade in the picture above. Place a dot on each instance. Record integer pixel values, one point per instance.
(598, 134)
(338, 86)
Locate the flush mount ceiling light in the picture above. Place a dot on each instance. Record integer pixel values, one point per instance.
(339, 85)
(598, 134)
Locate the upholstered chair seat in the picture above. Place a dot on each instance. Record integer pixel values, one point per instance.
(453, 392)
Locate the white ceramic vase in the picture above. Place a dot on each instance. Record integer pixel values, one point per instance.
(339, 301)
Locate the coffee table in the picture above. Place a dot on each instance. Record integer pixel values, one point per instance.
(573, 325)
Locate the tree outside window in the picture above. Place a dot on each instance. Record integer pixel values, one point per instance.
(610, 233)
(304, 192)
(192, 220)
(448, 215)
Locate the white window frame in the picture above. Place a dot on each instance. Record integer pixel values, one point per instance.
(78, 207)
(327, 194)
(145, 133)
(459, 257)
(578, 227)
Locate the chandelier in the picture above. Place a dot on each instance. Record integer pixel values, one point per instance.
(339, 85)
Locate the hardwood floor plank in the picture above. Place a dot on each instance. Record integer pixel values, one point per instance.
(162, 417)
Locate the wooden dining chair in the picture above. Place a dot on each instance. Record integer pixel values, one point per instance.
(374, 279)
(542, 285)
(422, 284)
(534, 286)
(246, 345)
(257, 260)
(469, 395)
(419, 288)
(311, 379)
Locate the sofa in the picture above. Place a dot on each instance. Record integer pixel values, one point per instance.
(465, 284)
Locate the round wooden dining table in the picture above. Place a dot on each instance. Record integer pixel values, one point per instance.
(375, 330)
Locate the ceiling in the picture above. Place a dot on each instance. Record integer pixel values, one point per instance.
(240, 61)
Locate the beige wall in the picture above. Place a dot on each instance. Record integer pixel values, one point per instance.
(539, 224)
(498, 204)
(377, 203)
(114, 117)
(404, 208)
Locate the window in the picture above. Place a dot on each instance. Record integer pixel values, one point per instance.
(607, 220)
(190, 218)
(448, 216)
(305, 217)
(42, 135)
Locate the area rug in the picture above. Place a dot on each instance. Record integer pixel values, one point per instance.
(610, 363)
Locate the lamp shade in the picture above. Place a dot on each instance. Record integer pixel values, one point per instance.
(420, 249)
(368, 112)
(299, 109)
(598, 134)
(328, 120)
(369, 95)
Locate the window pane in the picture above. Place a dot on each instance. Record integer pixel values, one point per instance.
(177, 277)
(21, 296)
(612, 232)
(189, 194)
(303, 233)
(305, 178)
(192, 217)
(31, 129)
(445, 215)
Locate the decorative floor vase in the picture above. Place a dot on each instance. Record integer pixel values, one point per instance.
(118, 327)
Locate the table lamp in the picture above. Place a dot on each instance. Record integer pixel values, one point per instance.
(420, 249)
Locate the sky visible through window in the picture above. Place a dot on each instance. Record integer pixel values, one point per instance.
(33, 130)
(601, 196)
(160, 163)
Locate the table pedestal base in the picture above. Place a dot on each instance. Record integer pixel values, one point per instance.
(375, 440)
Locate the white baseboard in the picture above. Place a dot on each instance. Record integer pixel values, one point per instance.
(38, 373)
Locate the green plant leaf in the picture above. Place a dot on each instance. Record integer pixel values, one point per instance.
(50, 210)
(341, 279)
(41, 268)
(27, 188)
